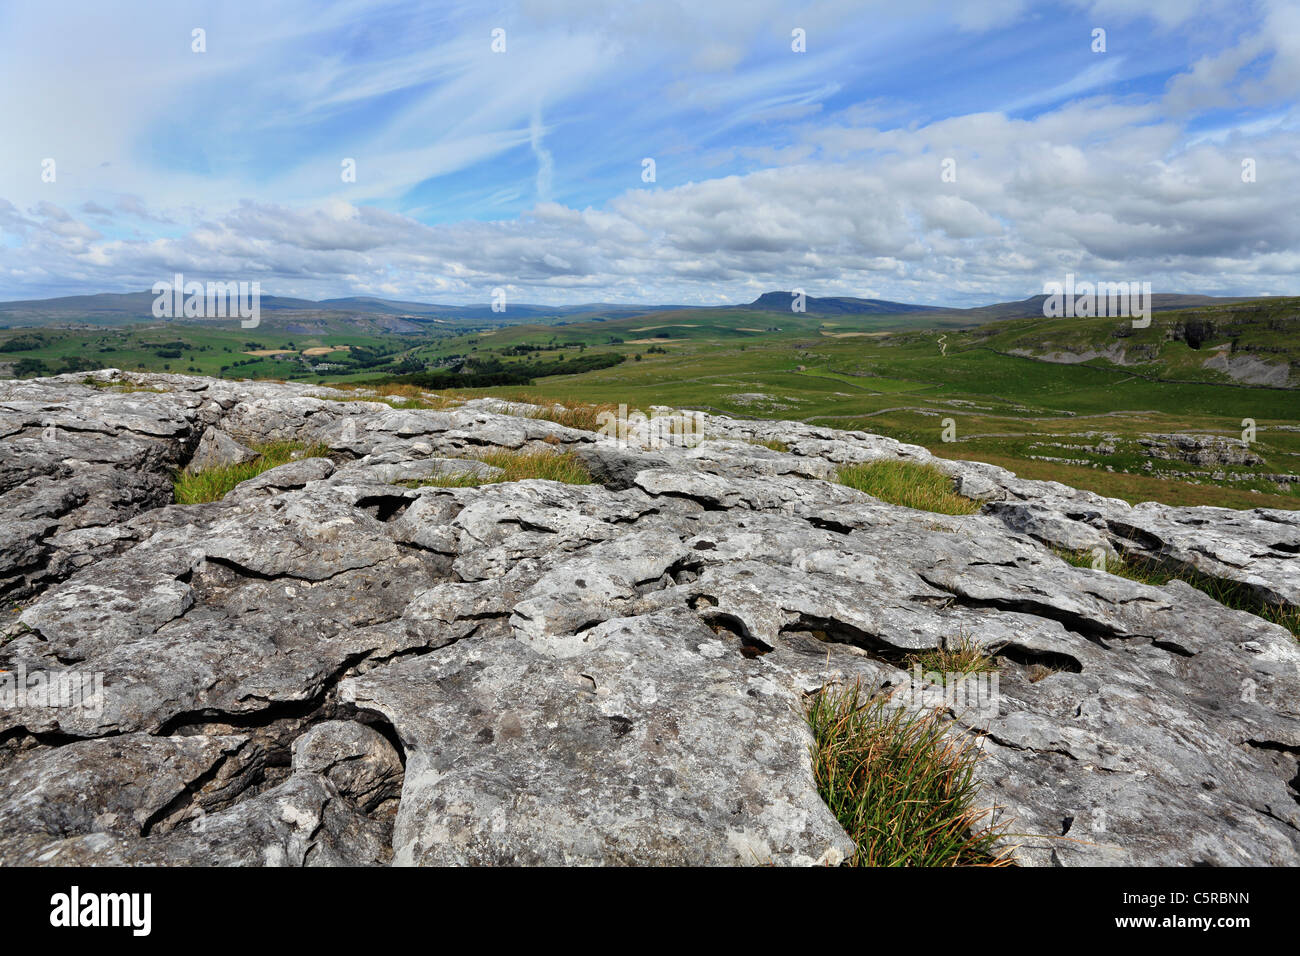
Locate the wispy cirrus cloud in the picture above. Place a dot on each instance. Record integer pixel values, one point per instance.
(523, 169)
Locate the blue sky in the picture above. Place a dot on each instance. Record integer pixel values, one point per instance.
(774, 169)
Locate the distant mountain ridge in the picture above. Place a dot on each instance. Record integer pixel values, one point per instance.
(838, 305)
(141, 303)
(119, 308)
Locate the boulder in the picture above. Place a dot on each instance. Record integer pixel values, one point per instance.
(218, 450)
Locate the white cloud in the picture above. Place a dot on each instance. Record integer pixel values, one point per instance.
(545, 162)
(1033, 199)
(1133, 187)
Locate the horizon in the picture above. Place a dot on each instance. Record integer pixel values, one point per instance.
(375, 148)
(627, 305)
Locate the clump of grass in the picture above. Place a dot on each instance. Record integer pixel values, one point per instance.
(1231, 594)
(212, 484)
(909, 484)
(772, 443)
(1079, 559)
(901, 787)
(1036, 672)
(964, 657)
(582, 415)
(515, 466)
(399, 396)
(570, 412)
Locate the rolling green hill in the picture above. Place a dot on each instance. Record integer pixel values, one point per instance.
(1154, 413)
(1025, 393)
(1255, 342)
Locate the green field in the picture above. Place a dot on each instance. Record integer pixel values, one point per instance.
(1078, 419)
(194, 348)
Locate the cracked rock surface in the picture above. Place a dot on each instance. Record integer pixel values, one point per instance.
(327, 667)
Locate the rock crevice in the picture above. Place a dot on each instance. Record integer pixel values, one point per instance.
(328, 668)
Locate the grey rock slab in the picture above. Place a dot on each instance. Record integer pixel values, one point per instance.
(124, 785)
(216, 450)
(304, 821)
(515, 757)
(1258, 548)
(357, 760)
(784, 493)
(418, 470)
(612, 673)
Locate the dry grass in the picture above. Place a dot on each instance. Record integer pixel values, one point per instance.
(515, 466)
(400, 396)
(1037, 672)
(581, 415)
(213, 484)
(572, 413)
(965, 657)
(909, 484)
(900, 785)
(772, 443)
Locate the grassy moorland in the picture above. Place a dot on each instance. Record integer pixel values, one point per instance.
(906, 483)
(1072, 400)
(195, 348)
(1083, 423)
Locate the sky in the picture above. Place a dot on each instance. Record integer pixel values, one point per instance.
(949, 153)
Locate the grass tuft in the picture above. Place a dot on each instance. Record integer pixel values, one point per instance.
(581, 415)
(1231, 594)
(773, 443)
(901, 787)
(1036, 672)
(515, 466)
(399, 396)
(909, 484)
(212, 484)
(965, 657)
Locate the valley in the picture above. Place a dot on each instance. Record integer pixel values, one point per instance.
(1197, 409)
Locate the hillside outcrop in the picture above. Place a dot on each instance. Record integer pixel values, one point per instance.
(329, 666)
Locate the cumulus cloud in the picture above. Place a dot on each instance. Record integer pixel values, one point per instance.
(1026, 206)
(819, 185)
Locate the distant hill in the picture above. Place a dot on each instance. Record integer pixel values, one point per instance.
(1023, 309)
(132, 306)
(1033, 306)
(363, 312)
(370, 313)
(515, 310)
(1245, 341)
(838, 305)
